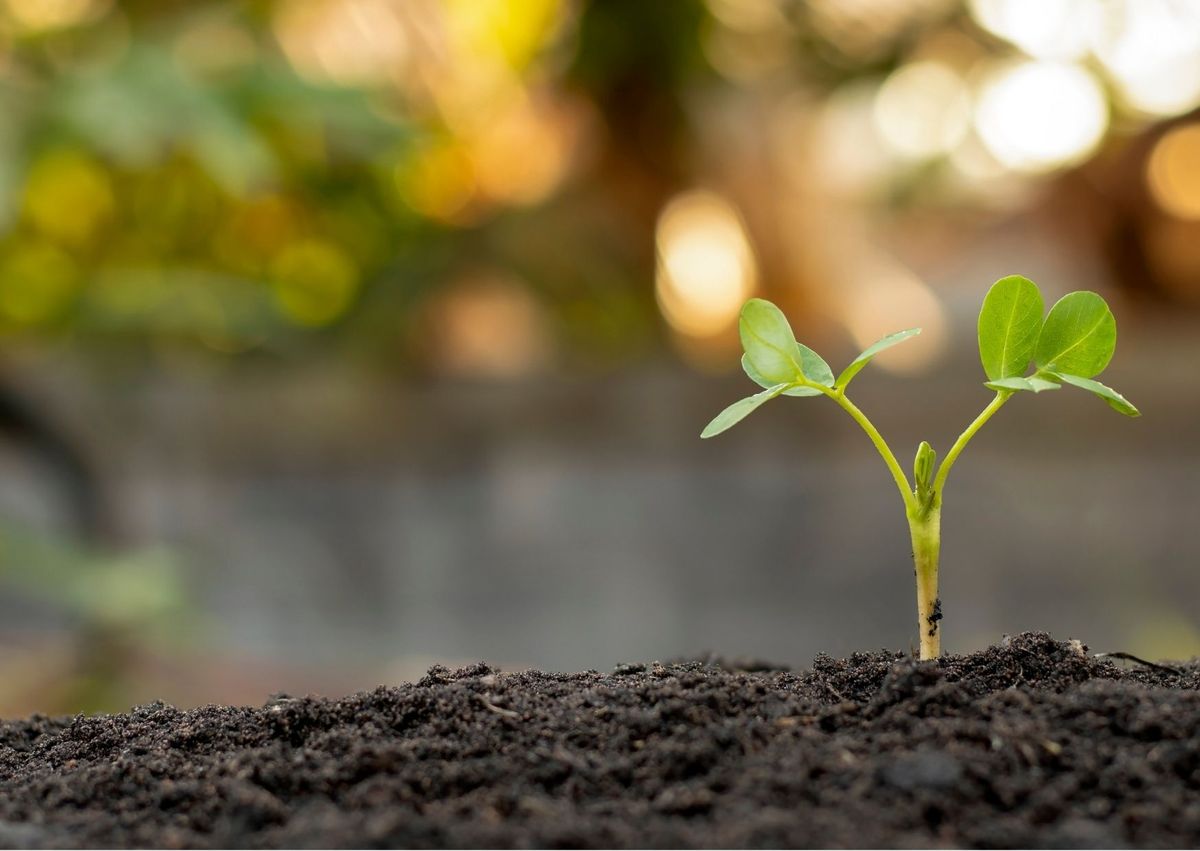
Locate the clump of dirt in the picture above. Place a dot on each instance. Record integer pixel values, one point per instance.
(1030, 743)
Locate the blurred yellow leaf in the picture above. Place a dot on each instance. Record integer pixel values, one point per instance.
(37, 280)
(68, 196)
(314, 282)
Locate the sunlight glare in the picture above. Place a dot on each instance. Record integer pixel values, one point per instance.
(345, 42)
(1173, 172)
(1037, 116)
(1151, 49)
(1045, 29)
(706, 267)
(892, 298)
(923, 110)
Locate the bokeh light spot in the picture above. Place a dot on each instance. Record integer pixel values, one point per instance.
(1173, 172)
(216, 47)
(1037, 115)
(889, 297)
(923, 110)
(854, 161)
(1045, 29)
(513, 31)
(37, 280)
(346, 42)
(1151, 48)
(68, 196)
(40, 15)
(706, 268)
(522, 156)
(314, 282)
(487, 326)
(437, 181)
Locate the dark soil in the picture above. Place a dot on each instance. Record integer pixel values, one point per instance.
(1030, 743)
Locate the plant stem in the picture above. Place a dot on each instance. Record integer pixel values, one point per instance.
(885, 451)
(924, 515)
(925, 524)
(963, 439)
(926, 528)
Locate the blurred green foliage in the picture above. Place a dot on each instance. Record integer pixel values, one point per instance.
(174, 174)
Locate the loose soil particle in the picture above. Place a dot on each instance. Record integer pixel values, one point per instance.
(1029, 743)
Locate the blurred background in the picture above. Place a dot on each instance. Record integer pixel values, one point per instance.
(343, 337)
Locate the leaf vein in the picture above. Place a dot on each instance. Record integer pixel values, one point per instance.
(1081, 340)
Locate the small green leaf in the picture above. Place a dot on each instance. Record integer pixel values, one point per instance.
(769, 343)
(814, 366)
(1078, 337)
(739, 410)
(1114, 399)
(762, 382)
(1009, 323)
(1016, 382)
(875, 348)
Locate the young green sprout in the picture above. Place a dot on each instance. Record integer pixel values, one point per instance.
(1070, 345)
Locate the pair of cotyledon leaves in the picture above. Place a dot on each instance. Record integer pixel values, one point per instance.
(1071, 345)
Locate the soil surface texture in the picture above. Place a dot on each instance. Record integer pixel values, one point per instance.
(1030, 743)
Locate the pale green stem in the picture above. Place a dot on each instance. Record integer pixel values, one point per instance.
(925, 524)
(924, 516)
(926, 529)
(939, 481)
(880, 444)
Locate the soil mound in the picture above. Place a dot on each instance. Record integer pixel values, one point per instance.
(1032, 742)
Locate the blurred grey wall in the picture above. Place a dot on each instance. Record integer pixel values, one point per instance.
(327, 520)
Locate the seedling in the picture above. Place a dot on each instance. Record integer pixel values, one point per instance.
(1070, 345)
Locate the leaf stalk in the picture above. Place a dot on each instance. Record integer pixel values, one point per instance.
(885, 451)
(996, 404)
(923, 508)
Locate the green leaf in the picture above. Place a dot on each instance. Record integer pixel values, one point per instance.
(875, 348)
(762, 382)
(1114, 399)
(1016, 382)
(1009, 323)
(739, 410)
(1078, 337)
(814, 366)
(769, 343)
